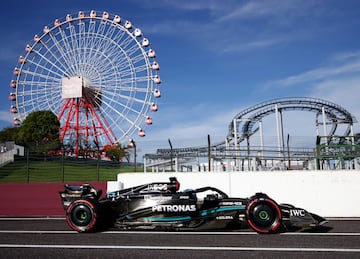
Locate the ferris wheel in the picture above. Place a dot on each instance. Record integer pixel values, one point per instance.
(96, 72)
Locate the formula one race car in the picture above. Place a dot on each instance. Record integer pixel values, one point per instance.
(160, 205)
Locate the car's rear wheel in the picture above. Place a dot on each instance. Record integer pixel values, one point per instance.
(263, 215)
(82, 215)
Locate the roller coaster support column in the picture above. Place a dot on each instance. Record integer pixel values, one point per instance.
(209, 153)
(261, 143)
(325, 134)
(324, 124)
(236, 146)
(280, 131)
(353, 165)
(227, 155)
(171, 155)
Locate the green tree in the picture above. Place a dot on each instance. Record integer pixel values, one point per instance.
(116, 152)
(8, 134)
(40, 131)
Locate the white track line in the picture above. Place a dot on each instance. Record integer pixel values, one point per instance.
(278, 249)
(175, 233)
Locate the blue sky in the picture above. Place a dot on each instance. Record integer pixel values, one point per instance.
(218, 57)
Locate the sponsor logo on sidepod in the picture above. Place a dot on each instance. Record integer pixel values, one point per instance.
(174, 208)
(297, 213)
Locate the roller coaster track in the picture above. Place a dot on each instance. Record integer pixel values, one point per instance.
(334, 113)
(246, 123)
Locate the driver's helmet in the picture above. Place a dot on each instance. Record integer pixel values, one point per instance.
(173, 186)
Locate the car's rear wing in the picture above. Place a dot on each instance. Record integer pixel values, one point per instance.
(75, 192)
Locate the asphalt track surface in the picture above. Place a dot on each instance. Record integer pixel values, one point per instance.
(52, 238)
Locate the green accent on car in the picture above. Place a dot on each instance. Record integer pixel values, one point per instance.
(212, 211)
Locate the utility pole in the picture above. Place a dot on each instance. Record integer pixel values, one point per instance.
(171, 155)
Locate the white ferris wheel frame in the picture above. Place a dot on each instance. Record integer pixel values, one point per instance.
(97, 74)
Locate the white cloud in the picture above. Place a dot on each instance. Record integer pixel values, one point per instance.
(255, 44)
(251, 10)
(344, 92)
(343, 64)
(239, 26)
(196, 122)
(345, 56)
(270, 9)
(212, 5)
(187, 127)
(337, 81)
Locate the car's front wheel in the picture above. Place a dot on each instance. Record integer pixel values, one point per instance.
(82, 215)
(263, 215)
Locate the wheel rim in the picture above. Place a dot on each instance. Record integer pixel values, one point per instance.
(264, 216)
(81, 215)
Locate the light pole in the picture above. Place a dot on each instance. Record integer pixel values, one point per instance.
(98, 158)
(132, 144)
(209, 153)
(171, 155)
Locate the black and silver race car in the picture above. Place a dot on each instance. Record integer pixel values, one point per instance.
(160, 205)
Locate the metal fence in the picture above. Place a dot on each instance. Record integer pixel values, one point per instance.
(184, 155)
(36, 167)
(334, 154)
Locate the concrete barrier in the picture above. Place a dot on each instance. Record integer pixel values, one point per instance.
(327, 193)
(34, 199)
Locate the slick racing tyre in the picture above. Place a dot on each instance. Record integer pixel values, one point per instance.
(82, 215)
(263, 215)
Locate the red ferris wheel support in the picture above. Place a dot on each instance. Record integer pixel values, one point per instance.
(84, 123)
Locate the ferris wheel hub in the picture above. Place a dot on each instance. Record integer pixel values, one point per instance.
(71, 87)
